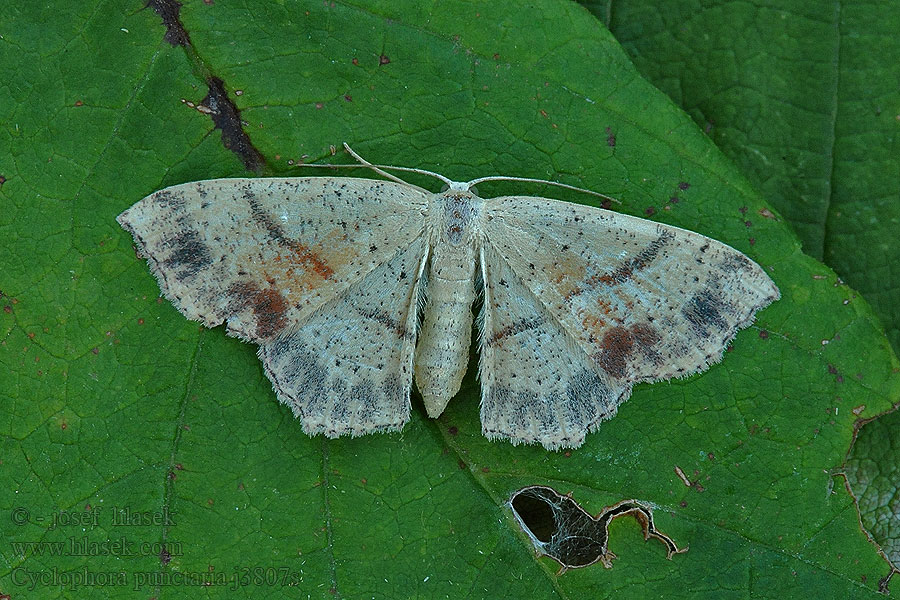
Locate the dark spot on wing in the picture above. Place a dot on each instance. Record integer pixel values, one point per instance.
(620, 344)
(168, 200)
(615, 350)
(703, 311)
(190, 254)
(734, 263)
(514, 328)
(379, 316)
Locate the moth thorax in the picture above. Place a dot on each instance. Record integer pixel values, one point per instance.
(459, 211)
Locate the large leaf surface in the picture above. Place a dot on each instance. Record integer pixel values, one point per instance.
(112, 400)
(802, 96)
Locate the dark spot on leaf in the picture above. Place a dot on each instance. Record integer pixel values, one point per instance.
(683, 185)
(384, 60)
(610, 138)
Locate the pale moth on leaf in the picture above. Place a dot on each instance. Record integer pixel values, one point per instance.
(326, 274)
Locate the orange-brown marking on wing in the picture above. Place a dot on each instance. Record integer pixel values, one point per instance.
(311, 260)
(604, 307)
(299, 268)
(565, 272)
(595, 325)
(619, 345)
(268, 306)
(624, 271)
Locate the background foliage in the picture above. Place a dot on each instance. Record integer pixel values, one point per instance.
(112, 401)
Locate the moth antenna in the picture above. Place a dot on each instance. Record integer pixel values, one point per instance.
(378, 169)
(475, 182)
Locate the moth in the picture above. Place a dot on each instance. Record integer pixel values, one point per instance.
(328, 276)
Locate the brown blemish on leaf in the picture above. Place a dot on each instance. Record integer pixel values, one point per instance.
(610, 138)
(560, 528)
(168, 10)
(227, 118)
(765, 212)
(384, 60)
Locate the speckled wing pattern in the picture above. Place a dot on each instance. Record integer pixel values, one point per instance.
(321, 272)
(582, 303)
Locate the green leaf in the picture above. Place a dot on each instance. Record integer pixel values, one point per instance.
(113, 405)
(804, 100)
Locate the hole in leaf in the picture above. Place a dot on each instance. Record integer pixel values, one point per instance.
(559, 528)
